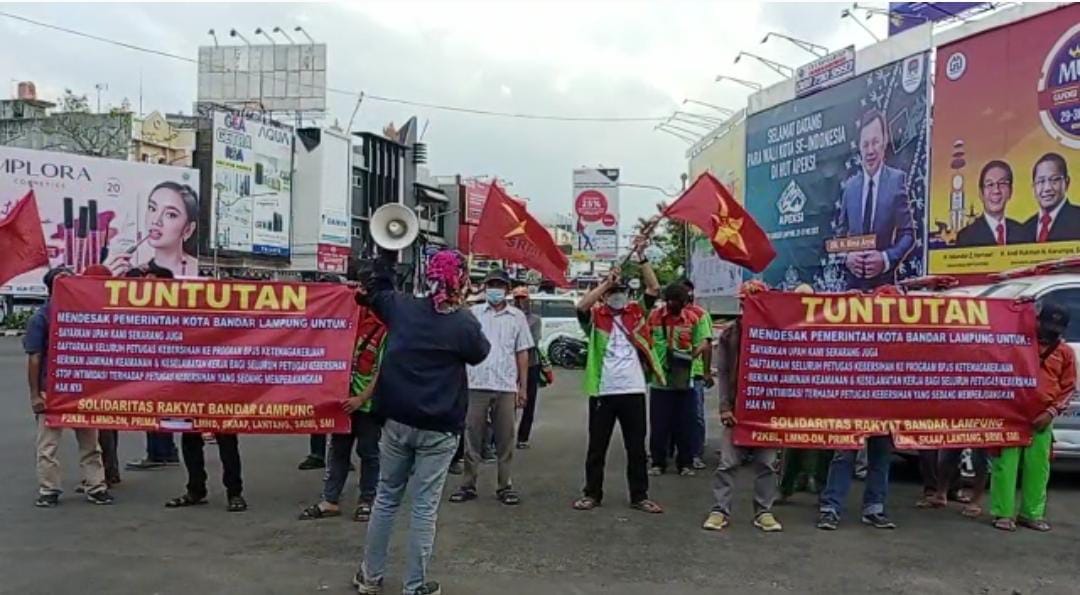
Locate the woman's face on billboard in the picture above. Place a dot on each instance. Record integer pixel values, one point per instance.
(167, 221)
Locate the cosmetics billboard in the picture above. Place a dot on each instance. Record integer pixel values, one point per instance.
(104, 211)
(251, 185)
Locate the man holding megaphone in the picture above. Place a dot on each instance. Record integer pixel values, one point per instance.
(421, 393)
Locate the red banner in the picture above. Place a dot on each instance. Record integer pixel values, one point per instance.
(200, 355)
(828, 370)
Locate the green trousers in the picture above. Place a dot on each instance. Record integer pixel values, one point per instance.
(1035, 462)
(799, 465)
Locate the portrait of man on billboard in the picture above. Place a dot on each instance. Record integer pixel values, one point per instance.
(874, 203)
(993, 228)
(1057, 219)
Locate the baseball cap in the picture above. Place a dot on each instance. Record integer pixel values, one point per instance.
(497, 275)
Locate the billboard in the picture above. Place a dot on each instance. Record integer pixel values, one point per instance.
(825, 72)
(272, 78)
(905, 15)
(724, 156)
(252, 185)
(596, 206)
(1006, 134)
(475, 196)
(118, 213)
(838, 180)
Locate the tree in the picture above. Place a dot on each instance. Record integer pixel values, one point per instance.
(72, 103)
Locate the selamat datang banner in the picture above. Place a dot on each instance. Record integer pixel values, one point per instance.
(200, 355)
(828, 370)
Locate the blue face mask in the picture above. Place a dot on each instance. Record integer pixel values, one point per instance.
(495, 295)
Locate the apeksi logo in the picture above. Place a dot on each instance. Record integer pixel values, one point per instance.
(1059, 90)
(790, 204)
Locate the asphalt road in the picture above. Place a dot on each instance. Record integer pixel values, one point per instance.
(540, 548)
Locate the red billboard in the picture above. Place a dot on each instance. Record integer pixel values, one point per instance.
(200, 355)
(828, 370)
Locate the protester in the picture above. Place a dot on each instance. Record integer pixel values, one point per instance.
(160, 446)
(422, 393)
(532, 382)
(1055, 384)
(108, 440)
(615, 374)
(316, 457)
(703, 379)
(496, 387)
(365, 431)
(731, 456)
(680, 336)
(803, 469)
(36, 344)
(940, 470)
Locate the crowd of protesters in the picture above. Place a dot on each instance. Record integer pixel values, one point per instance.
(437, 385)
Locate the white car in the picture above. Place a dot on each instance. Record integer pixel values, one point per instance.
(1064, 289)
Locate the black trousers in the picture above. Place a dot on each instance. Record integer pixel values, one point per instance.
(527, 416)
(108, 440)
(191, 446)
(942, 468)
(672, 418)
(317, 446)
(629, 411)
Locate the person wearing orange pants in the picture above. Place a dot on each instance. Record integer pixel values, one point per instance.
(1055, 383)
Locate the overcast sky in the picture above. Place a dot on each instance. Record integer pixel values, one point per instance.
(573, 58)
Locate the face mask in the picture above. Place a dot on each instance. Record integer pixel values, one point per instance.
(1047, 336)
(616, 301)
(495, 295)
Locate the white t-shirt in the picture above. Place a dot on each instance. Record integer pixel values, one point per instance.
(622, 373)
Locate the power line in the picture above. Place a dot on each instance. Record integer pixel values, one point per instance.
(385, 99)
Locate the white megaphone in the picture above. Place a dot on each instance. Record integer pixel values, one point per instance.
(394, 226)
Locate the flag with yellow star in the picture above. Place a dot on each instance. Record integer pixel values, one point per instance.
(736, 237)
(507, 231)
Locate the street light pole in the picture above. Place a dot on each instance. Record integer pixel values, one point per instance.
(722, 110)
(782, 69)
(811, 48)
(748, 84)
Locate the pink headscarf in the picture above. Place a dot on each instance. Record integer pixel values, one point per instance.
(445, 275)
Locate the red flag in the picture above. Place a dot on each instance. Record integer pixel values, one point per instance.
(21, 240)
(506, 230)
(733, 232)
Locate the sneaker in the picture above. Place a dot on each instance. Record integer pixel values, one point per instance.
(311, 462)
(656, 471)
(878, 521)
(522, 445)
(490, 459)
(698, 464)
(715, 522)
(143, 464)
(768, 523)
(47, 501)
(828, 521)
(429, 588)
(365, 586)
(100, 497)
(457, 468)
(687, 472)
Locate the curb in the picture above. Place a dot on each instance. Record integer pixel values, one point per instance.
(11, 333)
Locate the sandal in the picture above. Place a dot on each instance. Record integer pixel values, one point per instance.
(585, 503)
(1004, 524)
(463, 495)
(964, 497)
(1035, 525)
(315, 512)
(237, 504)
(185, 501)
(931, 502)
(362, 513)
(972, 511)
(647, 506)
(508, 497)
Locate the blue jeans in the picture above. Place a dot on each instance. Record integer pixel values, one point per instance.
(876, 489)
(697, 443)
(407, 455)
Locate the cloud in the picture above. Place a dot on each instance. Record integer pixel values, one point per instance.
(600, 58)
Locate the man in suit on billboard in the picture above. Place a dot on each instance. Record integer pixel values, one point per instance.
(993, 228)
(875, 203)
(1057, 219)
